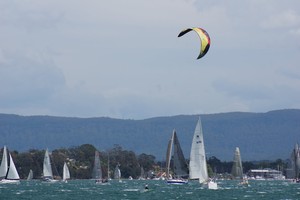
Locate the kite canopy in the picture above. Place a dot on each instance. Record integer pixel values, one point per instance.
(204, 39)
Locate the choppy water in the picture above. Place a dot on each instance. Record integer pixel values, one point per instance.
(134, 189)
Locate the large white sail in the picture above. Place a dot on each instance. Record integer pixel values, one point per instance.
(4, 164)
(198, 167)
(47, 170)
(66, 172)
(12, 171)
(237, 168)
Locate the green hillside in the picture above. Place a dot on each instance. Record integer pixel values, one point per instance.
(260, 136)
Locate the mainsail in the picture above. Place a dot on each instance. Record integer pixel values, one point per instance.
(198, 167)
(47, 170)
(169, 155)
(295, 157)
(30, 175)
(117, 173)
(12, 173)
(4, 164)
(237, 168)
(97, 172)
(66, 172)
(180, 167)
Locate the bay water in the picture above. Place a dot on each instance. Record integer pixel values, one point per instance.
(135, 189)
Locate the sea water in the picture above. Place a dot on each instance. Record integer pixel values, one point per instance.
(135, 189)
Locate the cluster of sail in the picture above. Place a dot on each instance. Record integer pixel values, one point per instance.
(47, 170)
(197, 167)
(8, 171)
(97, 171)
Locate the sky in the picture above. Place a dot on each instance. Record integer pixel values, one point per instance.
(123, 59)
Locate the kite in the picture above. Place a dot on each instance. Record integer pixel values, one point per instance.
(204, 39)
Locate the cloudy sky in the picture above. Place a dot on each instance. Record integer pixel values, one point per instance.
(123, 59)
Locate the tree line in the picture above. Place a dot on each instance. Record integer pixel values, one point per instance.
(80, 160)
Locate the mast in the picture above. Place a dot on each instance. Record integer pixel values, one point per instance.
(108, 174)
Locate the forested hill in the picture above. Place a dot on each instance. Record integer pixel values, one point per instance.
(260, 136)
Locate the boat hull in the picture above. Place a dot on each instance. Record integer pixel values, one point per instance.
(211, 185)
(7, 181)
(177, 181)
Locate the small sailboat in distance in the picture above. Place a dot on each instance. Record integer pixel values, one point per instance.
(97, 170)
(237, 168)
(47, 169)
(117, 173)
(66, 173)
(30, 175)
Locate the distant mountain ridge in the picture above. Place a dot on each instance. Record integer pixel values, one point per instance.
(260, 136)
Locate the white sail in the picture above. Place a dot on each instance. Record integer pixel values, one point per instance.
(4, 164)
(66, 172)
(198, 167)
(47, 170)
(30, 175)
(97, 171)
(169, 154)
(117, 173)
(237, 168)
(296, 161)
(11, 175)
(12, 171)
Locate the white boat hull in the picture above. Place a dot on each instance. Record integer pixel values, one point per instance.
(211, 185)
(177, 181)
(7, 181)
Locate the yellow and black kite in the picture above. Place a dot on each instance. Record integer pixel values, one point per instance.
(204, 39)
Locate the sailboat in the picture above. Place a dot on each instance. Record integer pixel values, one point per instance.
(66, 173)
(237, 168)
(142, 176)
(180, 165)
(30, 175)
(295, 157)
(97, 171)
(198, 165)
(8, 171)
(117, 173)
(47, 170)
